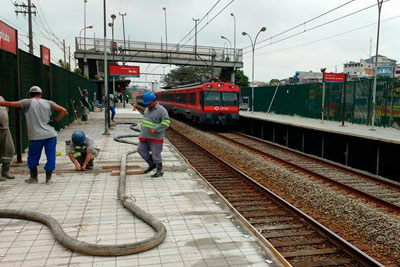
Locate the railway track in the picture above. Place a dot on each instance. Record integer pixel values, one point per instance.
(295, 236)
(383, 193)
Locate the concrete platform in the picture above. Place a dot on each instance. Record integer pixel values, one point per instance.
(388, 135)
(200, 231)
(353, 145)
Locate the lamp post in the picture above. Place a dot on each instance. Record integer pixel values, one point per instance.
(253, 45)
(166, 32)
(111, 24)
(323, 95)
(84, 29)
(106, 99)
(230, 44)
(380, 3)
(234, 48)
(85, 67)
(123, 54)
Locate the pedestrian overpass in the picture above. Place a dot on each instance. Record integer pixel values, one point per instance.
(91, 50)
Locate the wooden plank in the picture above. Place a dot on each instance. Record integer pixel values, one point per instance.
(310, 252)
(133, 172)
(280, 244)
(333, 262)
(271, 220)
(281, 227)
(276, 235)
(107, 167)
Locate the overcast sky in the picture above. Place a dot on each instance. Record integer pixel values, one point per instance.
(145, 22)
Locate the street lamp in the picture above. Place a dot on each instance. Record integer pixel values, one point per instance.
(253, 45)
(84, 29)
(106, 98)
(85, 70)
(380, 3)
(166, 31)
(230, 44)
(111, 24)
(234, 48)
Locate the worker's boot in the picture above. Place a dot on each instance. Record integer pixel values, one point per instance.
(89, 165)
(48, 177)
(5, 171)
(159, 171)
(151, 167)
(33, 179)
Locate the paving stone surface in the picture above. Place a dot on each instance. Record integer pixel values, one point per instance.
(199, 230)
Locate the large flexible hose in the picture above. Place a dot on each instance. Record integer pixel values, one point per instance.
(96, 249)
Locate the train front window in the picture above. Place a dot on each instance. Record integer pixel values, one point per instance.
(212, 98)
(229, 99)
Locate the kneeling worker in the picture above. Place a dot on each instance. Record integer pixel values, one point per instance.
(82, 151)
(155, 122)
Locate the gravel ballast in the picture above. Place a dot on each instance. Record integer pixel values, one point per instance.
(368, 227)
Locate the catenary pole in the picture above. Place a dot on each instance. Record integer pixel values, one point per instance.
(106, 109)
(380, 3)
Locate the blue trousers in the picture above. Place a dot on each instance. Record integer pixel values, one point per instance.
(150, 150)
(35, 151)
(112, 109)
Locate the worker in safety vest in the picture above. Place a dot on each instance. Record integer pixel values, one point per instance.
(152, 133)
(82, 151)
(41, 132)
(6, 144)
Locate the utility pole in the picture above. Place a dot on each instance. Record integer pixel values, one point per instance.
(195, 36)
(123, 52)
(380, 3)
(65, 56)
(69, 60)
(123, 29)
(27, 9)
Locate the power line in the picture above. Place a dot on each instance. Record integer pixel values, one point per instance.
(208, 22)
(327, 38)
(177, 45)
(315, 27)
(304, 23)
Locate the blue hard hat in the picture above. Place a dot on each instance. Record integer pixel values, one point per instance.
(148, 97)
(78, 137)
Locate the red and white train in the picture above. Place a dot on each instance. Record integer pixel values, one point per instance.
(212, 103)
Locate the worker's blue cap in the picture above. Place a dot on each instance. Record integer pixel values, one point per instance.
(148, 97)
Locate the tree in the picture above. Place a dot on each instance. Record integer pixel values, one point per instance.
(80, 73)
(274, 82)
(186, 74)
(64, 65)
(241, 79)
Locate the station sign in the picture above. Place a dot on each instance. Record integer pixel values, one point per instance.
(334, 77)
(45, 55)
(124, 71)
(8, 38)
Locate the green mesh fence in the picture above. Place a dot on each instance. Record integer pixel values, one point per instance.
(305, 100)
(64, 86)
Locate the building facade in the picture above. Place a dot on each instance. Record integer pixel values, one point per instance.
(365, 69)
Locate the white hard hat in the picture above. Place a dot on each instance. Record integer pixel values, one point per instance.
(35, 89)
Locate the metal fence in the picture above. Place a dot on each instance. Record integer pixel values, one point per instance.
(351, 102)
(63, 83)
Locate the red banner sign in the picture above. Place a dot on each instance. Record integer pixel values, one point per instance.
(45, 55)
(133, 71)
(8, 38)
(334, 77)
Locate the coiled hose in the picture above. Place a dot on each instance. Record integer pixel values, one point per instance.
(95, 249)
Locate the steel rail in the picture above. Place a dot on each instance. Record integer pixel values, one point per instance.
(334, 238)
(381, 202)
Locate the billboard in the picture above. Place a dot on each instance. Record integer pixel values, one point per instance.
(45, 55)
(334, 77)
(8, 38)
(118, 71)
